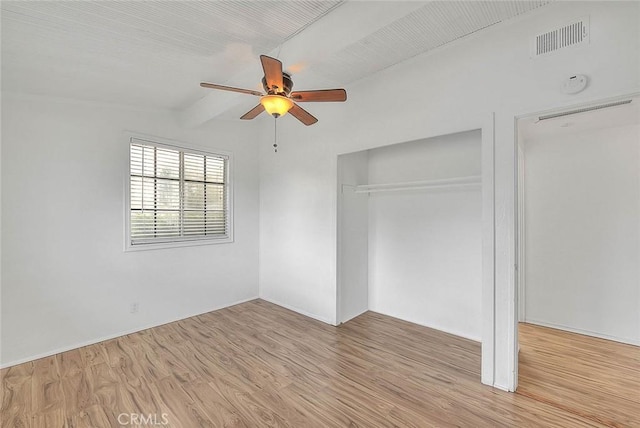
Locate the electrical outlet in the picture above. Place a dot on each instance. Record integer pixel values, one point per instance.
(135, 306)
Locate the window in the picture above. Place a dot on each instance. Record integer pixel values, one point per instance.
(177, 195)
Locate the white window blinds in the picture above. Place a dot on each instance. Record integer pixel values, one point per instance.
(176, 194)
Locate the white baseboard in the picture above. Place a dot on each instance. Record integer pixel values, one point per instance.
(353, 316)
(434, 327)
(502, 388)
(113, 336)
(297, 310)
(584, 332)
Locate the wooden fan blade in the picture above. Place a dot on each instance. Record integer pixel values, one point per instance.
(272, 73)
(230, 88)
(302, 115)
(251, 114)
(321, 95)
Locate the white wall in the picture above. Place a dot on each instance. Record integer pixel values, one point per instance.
(353, 236)
(451, 90)
(65, 277)
(582, 228)
(426, 245)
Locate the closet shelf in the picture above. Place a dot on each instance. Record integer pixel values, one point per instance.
(472, 181)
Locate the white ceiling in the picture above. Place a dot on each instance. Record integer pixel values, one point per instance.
(432, 25)
(155, 53)
(140, 52)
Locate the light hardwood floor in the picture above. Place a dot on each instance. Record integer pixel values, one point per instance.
(595, 378)
(259, 365)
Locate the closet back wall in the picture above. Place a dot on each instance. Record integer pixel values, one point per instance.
(425, 260)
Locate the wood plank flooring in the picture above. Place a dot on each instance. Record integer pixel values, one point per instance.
(595, 378)
(259, 365)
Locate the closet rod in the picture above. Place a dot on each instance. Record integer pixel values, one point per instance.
(469, 181)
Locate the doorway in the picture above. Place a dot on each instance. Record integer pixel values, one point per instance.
(578, 253)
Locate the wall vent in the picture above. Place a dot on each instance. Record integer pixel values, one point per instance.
(575, 33)
(583, 110)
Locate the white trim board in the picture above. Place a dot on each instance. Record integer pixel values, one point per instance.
(298, 311)
(355, 316)
(114, 336)
(488, 153)
(583, 332)
(431, 326)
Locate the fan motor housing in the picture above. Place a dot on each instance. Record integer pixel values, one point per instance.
(286, 82)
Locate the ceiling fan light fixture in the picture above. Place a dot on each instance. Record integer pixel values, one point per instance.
(276, 105)
(279, 99)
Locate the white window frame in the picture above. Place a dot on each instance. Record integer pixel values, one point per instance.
(189, 148)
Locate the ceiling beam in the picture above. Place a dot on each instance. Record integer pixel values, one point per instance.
(340, 28)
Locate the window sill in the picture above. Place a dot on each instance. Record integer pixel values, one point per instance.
(176, 244)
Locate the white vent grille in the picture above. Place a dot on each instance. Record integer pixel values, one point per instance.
(569, 35)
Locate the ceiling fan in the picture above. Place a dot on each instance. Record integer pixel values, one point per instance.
(278, 99)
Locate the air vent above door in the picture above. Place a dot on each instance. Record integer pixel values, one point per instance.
(575, 33)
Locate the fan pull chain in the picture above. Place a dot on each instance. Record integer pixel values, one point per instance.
(275, 135)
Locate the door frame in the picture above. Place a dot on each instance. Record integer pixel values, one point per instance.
(520, 212)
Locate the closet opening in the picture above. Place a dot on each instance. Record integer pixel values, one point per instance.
(410, 233)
